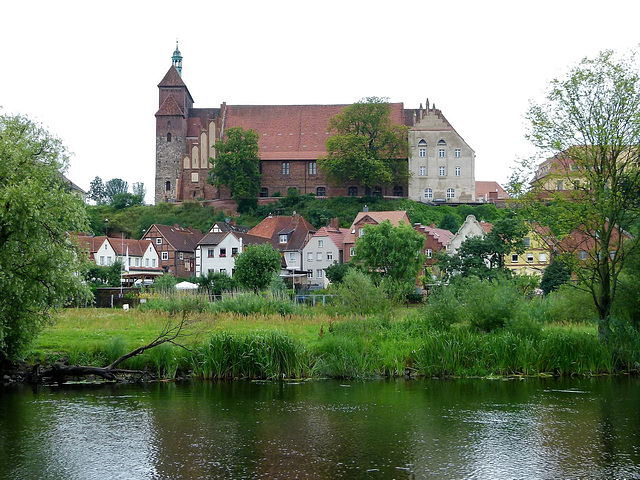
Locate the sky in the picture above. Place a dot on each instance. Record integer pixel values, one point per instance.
(88, 71)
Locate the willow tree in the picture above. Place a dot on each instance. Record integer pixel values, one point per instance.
(588, 190)
(366, 147)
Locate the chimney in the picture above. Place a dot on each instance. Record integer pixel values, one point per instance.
(365, 209)
(335, 223)
(433, 225)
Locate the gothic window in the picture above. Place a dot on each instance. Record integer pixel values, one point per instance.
(422, 148)
(442, 142)
(397, 191)
(169, 137)
(353, 191)
(321, 192)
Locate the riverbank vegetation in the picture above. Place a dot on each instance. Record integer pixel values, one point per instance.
(471, 328)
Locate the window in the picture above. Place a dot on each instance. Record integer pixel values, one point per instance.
(309, 256)
(234, 251)
(146, 262)
(329, 255)
(313, 168)
(457, 153)
(101, 259)
(181, 256)
(352, 251)
(167, 186)
(451, 193)
(514, 258)
(137, 262)
(422, 152)
(353, 191)
(542, 257)
(442, 142)
(210, 252)
(284, 238)
(442, 171)
(377, 191)
(320, 243)
(223, 253)
(428, 253)
(319, 273)
(397, 191)
(441, 152)
(559, 185)
(423, 170)
(360, 231)
(168, 137)
(260, 168)
(285, 168)
(321, 192)
(223, 270)
(529, 257)
(612, 254)
(264, 192)
(582, 255)
(310, 274)
(158, 241)
(165, 255)
(527, 241)
(428, 193)
(109, 260)
(292, 257)
(319, 256)
(153, 261)
(458, 171)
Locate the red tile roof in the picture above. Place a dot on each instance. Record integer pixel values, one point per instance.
(181, 239)
(170, 107)
(335, 234)
(395, 217)
(441, 235)
(296, 227)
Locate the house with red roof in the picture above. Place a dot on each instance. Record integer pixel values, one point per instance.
(369, 218)
(291, 139)
(324, 248)
(436, 239)
(176, 246)
(490, 192)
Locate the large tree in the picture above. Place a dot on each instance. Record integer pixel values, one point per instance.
(392, 255)
(96, 191)
(237, 164)
(39, 265)
(113, 187)
(590, 125)
(366, 146)
(256, 265)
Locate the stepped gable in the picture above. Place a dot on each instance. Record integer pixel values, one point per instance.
(182, 239)
(440, 235)
(170, 107)
(291, 132)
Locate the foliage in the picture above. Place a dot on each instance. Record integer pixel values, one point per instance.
(336, 272)
(251, 304)
(554, 276)
(277, 285)
(590, 123)
(450, 222)
(359, 295)
(366, 146)
(392, 253)
(214, 283)
(165, 283)
(99, 275)
(113, 187)
(38, 263)
(256, 265)
(96, 191)
(236, 164)
(139, 191)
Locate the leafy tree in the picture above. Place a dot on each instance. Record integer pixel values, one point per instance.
(335, 273)
(113, 187)
(367, 147)
(38, 263)
(256, 265)
(555, 275)
(96, 191)
(139, 192)
(237, 164)
(359, 295)
(124, 200)
(102, 275)
(391, 253)
(165, 283)
(590, 123)
(215, 282)
(450, 222)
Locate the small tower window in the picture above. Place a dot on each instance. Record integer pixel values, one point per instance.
(167, 186)
(168, 137)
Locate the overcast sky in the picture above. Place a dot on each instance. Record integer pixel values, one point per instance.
(88, 71)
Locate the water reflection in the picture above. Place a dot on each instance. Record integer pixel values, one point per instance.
(325, 429)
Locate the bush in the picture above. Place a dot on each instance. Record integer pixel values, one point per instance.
(571, 305)
(360, 296)
(491, 304)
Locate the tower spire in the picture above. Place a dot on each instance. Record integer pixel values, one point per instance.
(176, 59)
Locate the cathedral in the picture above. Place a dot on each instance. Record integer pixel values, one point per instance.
(292, 138)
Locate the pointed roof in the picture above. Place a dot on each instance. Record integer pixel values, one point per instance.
(296, 227)
(441, 235)
(182, 239)
(170, 107)
(335, 234)
(172, 79)
(395, 217)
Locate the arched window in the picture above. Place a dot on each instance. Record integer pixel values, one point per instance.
(428, 193)
(169, 137)
(167, 186)
(264, 192)
(451, 193)
(353, 191)
(321, 192)
(397, 191)
(422, 148)
(441, 142)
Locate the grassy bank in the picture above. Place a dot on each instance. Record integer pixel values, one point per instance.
(316, 343)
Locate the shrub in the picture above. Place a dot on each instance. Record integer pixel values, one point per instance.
(360, 296)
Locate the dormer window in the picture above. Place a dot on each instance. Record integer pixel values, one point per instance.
(284, 238)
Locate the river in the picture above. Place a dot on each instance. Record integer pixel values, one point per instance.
(324, 429)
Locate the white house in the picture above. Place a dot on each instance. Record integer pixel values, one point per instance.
(322, 250)
(217, 251)
(470, 228)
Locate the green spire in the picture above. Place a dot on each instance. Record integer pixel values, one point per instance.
(177, 59)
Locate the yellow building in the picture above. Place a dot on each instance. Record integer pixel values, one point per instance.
(539, 244)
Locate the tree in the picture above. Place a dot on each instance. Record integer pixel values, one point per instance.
(237, 164)
(96, 191)
(391, 253)
(114, 187)
(255, 266)
(555, 275)
(450, 222)
(336, 272)
(139, 192)
(367, 147)
(215, 282)
(38, 263)
(590, 125)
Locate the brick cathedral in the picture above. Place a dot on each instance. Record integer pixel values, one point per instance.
(292, 137)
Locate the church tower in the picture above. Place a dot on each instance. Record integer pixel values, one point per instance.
(175, 102)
